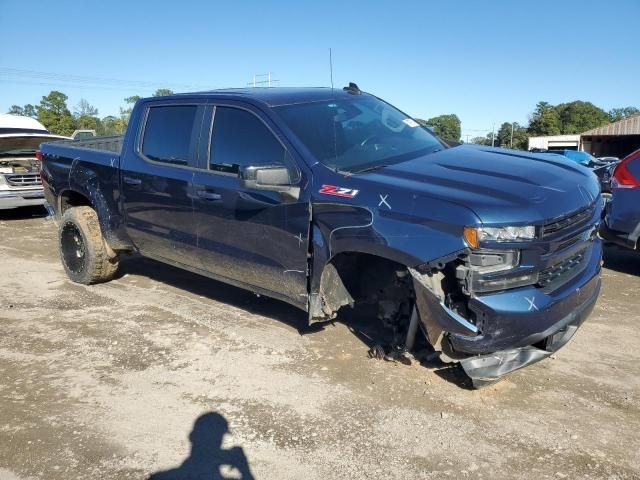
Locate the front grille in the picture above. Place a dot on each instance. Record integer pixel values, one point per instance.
(26, 180)
(561, 272)
(570, 242)
(560, 224)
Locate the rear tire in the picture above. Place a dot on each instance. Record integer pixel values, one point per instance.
(83, 251)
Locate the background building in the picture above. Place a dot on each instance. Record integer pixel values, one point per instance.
(555, 142)
(616, 139)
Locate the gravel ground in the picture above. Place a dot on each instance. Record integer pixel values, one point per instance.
(162, 369)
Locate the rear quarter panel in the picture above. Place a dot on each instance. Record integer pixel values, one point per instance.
(93, 174)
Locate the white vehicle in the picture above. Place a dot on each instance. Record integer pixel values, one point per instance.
(20, 183)
(83, 134)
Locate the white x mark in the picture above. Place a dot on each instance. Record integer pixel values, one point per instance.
(299, 237)
(532, 303)
(383, 201)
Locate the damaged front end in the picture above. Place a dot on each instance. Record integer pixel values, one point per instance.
(495, 311)
(20, 182)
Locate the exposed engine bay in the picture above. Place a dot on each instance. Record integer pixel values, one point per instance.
(19, 165)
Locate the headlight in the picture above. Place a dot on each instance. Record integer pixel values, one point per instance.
(493, 270)
(474, 236)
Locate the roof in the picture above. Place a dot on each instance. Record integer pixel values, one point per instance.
(626, 126)
(18, 122)
(278, 96)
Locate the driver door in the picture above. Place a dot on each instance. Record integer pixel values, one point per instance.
(254, 238)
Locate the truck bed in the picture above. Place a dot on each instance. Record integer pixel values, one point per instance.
(109, 143)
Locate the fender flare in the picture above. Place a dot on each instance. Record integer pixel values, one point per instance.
(85, 181)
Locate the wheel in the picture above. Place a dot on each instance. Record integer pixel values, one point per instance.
(84, 254)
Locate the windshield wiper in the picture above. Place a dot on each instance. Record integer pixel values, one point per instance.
(369, 169)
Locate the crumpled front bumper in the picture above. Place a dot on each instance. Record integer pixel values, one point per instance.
(513, 328)
(487, 369)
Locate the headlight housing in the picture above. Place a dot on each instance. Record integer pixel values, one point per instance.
(492, 270)
(475, 235)
(507, 234)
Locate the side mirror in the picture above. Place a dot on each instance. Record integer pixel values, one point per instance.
(274, 178)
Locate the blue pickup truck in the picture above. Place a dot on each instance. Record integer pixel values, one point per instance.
(332, 198)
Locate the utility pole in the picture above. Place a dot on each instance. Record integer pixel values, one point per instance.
(511, 135)
(493, 135)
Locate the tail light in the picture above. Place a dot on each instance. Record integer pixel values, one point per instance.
(39, 154)
(622, 177)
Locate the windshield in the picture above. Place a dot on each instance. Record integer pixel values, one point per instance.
(23, 145)
(358, 133)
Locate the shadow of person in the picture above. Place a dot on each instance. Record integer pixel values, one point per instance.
(208, 460)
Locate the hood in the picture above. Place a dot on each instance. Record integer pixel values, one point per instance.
(500, 186)
(11, 142)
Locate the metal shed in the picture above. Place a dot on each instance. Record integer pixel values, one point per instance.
(616, 139)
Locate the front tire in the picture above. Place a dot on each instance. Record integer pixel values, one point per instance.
(84, 254)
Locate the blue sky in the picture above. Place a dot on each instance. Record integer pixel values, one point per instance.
(485, 61)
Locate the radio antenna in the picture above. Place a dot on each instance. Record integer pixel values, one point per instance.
(331, 67)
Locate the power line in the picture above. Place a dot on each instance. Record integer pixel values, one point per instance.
(16, 74)
(68, 85)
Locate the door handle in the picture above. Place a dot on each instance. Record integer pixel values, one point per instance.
(208, 195)
(132, 180)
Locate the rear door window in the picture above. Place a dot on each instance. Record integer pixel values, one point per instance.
(241, 139)
(170, 135)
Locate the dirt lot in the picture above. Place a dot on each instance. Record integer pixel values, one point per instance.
(107, 382)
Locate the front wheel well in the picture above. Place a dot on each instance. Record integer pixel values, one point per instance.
(354, 279)
(365, 275)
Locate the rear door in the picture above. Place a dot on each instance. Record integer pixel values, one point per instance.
(254, 238)
(157, 179)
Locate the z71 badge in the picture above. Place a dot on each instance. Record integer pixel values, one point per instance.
(338, 191)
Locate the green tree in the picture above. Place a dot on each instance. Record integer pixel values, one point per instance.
(512, 135)
(28, 110)
(85, 109)
(54, 114)
(133, 99)
(579, 116)
(16, 110)
(616, 114)
(503, 138)
(109, 126)
(120, 123)
(545, 120)
(88, 123)
(482, 140)
(446, 127)
(161, 92)
(86, 116)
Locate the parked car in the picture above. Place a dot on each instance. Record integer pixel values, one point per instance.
(20, 183)
(609, 160)
(604, 174)
(583, 158)
(329, 198)
(83, 134)
(622, 218)
(602, 167)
